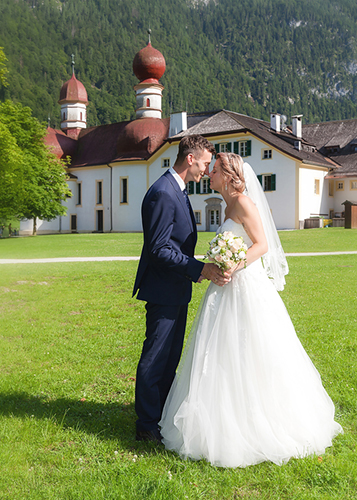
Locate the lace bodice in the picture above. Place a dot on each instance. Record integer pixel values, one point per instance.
(237, 229)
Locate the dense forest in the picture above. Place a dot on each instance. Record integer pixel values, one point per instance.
(249, 56)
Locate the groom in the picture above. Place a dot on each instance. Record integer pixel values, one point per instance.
(164, 278)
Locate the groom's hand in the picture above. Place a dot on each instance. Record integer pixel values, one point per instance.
(213, 273)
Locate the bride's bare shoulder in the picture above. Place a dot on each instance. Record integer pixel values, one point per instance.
(244, 203)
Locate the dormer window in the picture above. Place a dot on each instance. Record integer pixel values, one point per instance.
(332, 150)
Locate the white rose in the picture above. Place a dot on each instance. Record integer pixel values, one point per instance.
(215, 250)
(241, 255)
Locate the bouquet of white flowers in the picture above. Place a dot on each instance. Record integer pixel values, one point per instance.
(227, 250)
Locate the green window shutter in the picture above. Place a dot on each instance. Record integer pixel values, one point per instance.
(229, 147)
(236, 148)
(260, 179)
(216, 147)
(198, 188)
(249, 148)
(191, 188)
(273, 182)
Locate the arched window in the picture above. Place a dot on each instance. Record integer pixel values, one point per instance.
(148, 103)
(81, 116)
(64, 116)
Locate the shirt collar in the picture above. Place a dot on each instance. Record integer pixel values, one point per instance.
(178, 179)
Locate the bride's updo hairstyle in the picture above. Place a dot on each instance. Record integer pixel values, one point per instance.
(232, 166)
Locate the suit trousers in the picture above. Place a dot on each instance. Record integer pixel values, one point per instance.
(165, 330)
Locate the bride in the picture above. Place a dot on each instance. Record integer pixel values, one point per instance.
(245, 390)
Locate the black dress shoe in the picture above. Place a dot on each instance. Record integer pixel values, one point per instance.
(153, 436)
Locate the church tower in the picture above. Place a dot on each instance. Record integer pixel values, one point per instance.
(149, 66)
(73, 101)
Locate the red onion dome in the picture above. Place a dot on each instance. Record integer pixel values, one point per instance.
(73, 91)
(149, 64)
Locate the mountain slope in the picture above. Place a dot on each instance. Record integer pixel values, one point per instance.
(249, 56)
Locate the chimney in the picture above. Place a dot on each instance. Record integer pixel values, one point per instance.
(178, 123)
(297, 125)
(275, 122)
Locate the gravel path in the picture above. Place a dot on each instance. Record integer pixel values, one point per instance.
(102, 259)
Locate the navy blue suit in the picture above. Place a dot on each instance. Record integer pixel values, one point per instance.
(164, 278)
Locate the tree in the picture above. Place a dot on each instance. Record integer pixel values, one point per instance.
(3, 68)
(12, 166)
(32, 179)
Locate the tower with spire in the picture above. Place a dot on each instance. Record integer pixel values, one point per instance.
(73, 101)
(149, 66)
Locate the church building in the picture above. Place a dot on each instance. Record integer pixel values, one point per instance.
(305, 170)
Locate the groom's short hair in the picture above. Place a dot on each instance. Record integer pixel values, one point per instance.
(193, 144)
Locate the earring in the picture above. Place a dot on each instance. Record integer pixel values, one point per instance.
(226, 187)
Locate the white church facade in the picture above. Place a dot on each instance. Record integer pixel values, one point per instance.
(112, 166)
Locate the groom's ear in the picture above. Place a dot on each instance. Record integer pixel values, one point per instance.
(189, 159)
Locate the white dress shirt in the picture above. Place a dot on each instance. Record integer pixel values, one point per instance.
(178, 179)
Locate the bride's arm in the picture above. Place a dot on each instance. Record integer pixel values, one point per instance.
(247, 213)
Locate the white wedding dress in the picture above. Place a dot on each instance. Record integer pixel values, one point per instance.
(245, 390)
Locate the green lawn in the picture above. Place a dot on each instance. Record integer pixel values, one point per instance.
(129, 244)
(70, 339)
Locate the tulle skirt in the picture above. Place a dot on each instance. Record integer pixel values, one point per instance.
(245, 390)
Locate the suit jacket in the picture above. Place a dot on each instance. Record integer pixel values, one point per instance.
(167, 265)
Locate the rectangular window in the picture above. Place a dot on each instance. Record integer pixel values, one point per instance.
(165, 163)
(99, 192)
(267, 154)
(190, 187)
(197, 216)
(79, 193)
(268, 181)
(206, 186)
(340, 185)
(123, 190)
(353, 185)
(317, 186)
(242, 148)
(223, 147)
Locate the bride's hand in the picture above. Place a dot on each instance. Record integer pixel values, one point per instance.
(233, 269)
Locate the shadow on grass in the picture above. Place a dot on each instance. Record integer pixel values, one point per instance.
(105, 420)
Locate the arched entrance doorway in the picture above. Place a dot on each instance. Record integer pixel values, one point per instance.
(213, 213)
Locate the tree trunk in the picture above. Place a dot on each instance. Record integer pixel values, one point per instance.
(34, 232)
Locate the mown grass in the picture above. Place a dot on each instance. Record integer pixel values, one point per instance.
(70, 339)
(129, 244)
